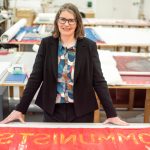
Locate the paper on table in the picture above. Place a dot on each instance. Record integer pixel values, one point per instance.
(12, 31)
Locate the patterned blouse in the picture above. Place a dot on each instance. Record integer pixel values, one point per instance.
(65, 82)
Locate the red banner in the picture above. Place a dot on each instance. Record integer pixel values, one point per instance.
(13, 138)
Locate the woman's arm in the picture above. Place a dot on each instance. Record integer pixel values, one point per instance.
(101, 88)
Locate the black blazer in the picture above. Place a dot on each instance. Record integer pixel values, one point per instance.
(88, 78)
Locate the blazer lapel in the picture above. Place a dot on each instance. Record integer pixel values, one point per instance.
(80, 48)
(79, 57)
(54, 56)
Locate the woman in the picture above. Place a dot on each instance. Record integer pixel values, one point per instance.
(67, 70)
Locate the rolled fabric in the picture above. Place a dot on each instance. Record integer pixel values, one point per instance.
(13, 30)
(42, 29)
(20, 36)
(46, 16)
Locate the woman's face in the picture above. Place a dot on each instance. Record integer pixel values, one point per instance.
(66, 24)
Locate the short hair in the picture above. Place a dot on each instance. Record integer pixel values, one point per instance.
(79, 32)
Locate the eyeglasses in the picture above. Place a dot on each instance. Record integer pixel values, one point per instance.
(64, 20)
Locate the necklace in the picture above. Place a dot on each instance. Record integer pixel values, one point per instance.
(69, 45)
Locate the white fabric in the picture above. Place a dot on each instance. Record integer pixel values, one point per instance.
(47, 18)
(109, 69)
(73, 125)
(120, 36)
(106, 57)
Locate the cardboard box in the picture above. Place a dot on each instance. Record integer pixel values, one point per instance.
(90, 14)
(29, 14)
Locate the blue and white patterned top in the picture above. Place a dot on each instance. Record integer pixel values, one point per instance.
(65, 81)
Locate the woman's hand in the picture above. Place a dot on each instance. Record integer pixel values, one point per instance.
(116, 121)
(14, 115)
